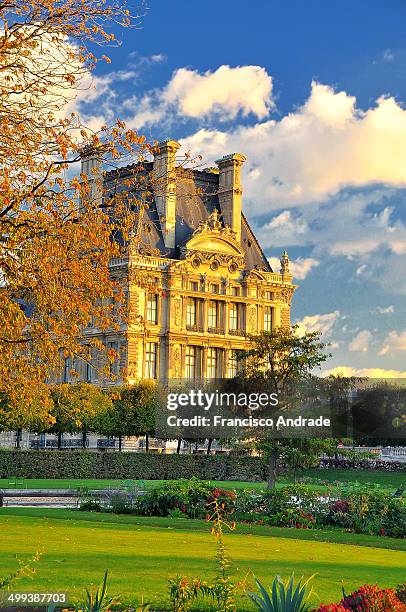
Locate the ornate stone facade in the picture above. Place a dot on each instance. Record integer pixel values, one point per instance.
(209, 283)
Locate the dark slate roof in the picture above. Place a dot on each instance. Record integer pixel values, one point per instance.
(195, 201)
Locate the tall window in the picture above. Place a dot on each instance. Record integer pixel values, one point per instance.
(211, 363)
(212, 322)
(268, 318)
(66, 370)
(113, 360)
(191, 312)
(194, 286)
(232, 364)
(89, 369)
(235, 290)
(151, 360)
(233, 317)
(190, 362)
(152, 308)
(89, 372)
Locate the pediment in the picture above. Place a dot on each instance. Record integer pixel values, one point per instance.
(256, 275)
(210, 242)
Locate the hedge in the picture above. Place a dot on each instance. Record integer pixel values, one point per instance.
(363, 464)
(136, 466)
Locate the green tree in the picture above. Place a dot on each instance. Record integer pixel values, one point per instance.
(280, 361)
(132, 412)
(75, 408)
(33, 411)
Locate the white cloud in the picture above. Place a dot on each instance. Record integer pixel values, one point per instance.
(395, 341)
(361, 342)
(283, 229)
(365, 372)
(299, 267)
(385, 309)
(226, 92)
(353, 225)
(146, 60)
(312, 153)
(388, 56)
(157, 58)
(323, 323)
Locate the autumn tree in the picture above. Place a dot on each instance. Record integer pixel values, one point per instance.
(56, 231)
(76, 407)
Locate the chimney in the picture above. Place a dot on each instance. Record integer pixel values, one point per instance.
(165, 188)
(230, 190)
(91, 167)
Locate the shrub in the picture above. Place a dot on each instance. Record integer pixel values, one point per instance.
(91, 505)
(188, 496)
(401, 592)
(340, 506)
(98, 600)
(137, 466)
(371, 597)
(363, 464)
(282, 596)
(120, 501)
(369, 510)
(368, 598)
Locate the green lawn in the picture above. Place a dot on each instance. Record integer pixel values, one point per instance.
(389, 480)
(142, 552)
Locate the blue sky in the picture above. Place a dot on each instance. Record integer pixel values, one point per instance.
(313, 94)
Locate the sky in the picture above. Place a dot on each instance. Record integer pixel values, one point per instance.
(313, 93)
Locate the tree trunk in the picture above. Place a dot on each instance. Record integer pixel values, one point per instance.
(179, 446)
(209, 443)
(272, 461)
(84, 438)
(18, 437)
(146, 442)
(59, 440)
(120, 443)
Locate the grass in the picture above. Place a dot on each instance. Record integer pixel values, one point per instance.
(141, 552)
(388, 480)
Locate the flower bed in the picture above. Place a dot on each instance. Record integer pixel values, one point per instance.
(368, 598)
(359, 509)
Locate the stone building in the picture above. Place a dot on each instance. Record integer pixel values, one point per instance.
(208, 280)
(199, 283)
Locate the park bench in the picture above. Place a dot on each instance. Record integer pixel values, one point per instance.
(15, 482)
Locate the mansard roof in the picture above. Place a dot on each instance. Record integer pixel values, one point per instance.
(196, 200)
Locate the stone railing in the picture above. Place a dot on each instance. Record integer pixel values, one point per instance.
(195, 328)
(236, 332)
(384, 453)
(215, 330)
